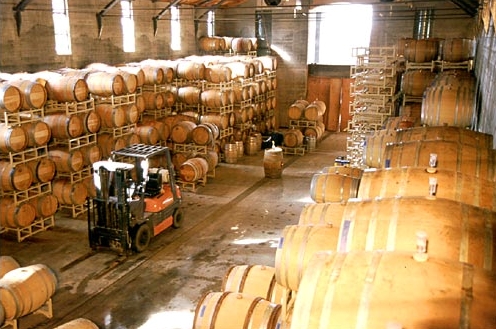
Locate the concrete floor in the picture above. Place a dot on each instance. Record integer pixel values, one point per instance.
(235, 219)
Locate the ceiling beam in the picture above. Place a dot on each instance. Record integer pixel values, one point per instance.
(470, 7)
(17, 15)
(102, 13)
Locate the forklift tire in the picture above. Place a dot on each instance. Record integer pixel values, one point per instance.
(142, 238)
(177, 218)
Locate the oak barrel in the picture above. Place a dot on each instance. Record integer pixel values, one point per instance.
(42, 169)
(7, 264)
(12, 138)
(15, 176)
(33, 94)
(38, 133)
(79, 323)
(64, 126)
(69, 194)
(66, 161)
(181, 132)
(45, 205)
(111, 116)
(193, 169)
(273, 162)
(10, 97)
(16, 215)
(333, 187)
(293, 138)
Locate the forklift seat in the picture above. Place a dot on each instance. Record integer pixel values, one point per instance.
(153, 185)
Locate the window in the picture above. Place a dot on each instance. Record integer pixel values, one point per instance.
(334, 30)
(127, 22)
(175, 29)
(211, 23)
(61, 27)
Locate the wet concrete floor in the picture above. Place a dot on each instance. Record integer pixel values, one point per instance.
(235, 219)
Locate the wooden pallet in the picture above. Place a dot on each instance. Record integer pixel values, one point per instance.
(294, 150)
(46, 310)
(38, 225)
(192, 186)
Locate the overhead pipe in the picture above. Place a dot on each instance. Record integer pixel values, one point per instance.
(423, 23)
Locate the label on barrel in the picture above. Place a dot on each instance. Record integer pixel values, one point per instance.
(281, 242)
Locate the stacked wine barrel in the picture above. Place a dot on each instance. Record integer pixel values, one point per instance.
(27, 205)
(24, 290)
(306, 116)
(222, 45)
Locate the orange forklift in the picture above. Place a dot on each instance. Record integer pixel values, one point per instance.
(134, 202)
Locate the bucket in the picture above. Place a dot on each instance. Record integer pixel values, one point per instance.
(448, 105)
(181, 132)
(332, 187)
(227, 310)
(38, 133)
(148, 134)
(252, 145)
(64, 126)
(10, 97)
(415, 82)
(15, 215)
(293, 138)
(79, 323)
(415, 293)
(205, 134)
(296, 246)
(273, 162)
(193, 169)
(7, 264)
(33, 94)
(254, 280)
(42, 169)
(310, 143)
(409, 181)
(25, 289)
(91, 121)
(69, 194)
(464, 158)
(105, 84)
(328, 213)
(16, 177)
(189, 95)
(111, 116)
(67, 89)
(231, 153)
(66, 161)
(12, 139)
(45, 205)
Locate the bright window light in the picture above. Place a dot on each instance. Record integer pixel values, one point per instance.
(175, 29)
(61, 26)
(127, 22)
(334, 30)
(211, 23)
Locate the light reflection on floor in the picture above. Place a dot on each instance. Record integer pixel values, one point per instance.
(170, 320)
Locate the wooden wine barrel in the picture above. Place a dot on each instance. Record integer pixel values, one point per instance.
(132, 113)
(293, 138)
(148, 134)
(273, 162)
(15, 215)
(240, 115)
(12, 138)
(42, 169)
(218, 73)
(15, 177)
(375, 146)
(105, 84)
(10, 97)
(207, 43)
(415, 82)
(421, 50)
(64, 126)
(25, 289)
(67, 89)
(153, 100)
(38, 133)
(181, 132)
(269, 62)
(190, 70)
(241, 45)
(137, 71)
(91, 153)
(352, 290)
(465, 158)
(296, 110)
(169, 97)
(45, 205)
(111, 116)
(189, 95)
(91, 121)
(33, 94)
(239, 70)
(130, 81)
(193, 169)
(66, 161)
(205, 134)
(212, 158)
(411, 181)
(7, 264)
(296, 246)
(214, 98)
(140, 103)
(255, 280)
(316, 131)
(108, 143)
(448, 105)
(162, 128)
(328, 213)
(412, 111)
(67, 193)
(315, 110)
(153, 75)
(401, 122)
(235, 310)
(457, 49)
(332, 187)
(79, 323)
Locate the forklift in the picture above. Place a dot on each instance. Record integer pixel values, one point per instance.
(133, 202)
